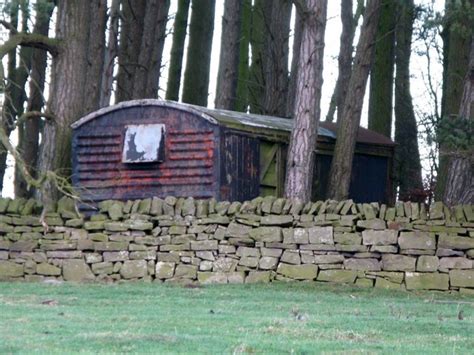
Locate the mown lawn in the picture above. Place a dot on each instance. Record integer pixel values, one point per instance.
(275, 318)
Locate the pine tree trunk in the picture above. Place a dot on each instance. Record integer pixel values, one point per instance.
(95, 54)
(133, 14)
(307, 109)
(294, 65)
(141, 48)
(456, 61)
(381, 75)
(460, 179)
(275, 67)
(8, 109)
(242, 101)
(407, 157)
(341, 167)
(344, 60)
(256, 84)
(111, 54)
(227, 77)
(268, 80)
(28, 139)
(147, 74)
(177, 50)
(72, 94)
(196, 74)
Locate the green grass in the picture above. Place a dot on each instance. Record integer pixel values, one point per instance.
(275, 318)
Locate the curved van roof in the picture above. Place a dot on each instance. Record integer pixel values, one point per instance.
(248, 122)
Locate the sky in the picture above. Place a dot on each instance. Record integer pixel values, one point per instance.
(331, 50)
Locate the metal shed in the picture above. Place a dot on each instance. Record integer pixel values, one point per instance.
(143, 148)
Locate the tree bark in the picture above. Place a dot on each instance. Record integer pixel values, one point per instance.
(196, 74)
(381, 75)
(256, 83)
(141, 48)
(133, 14)
(349, 25)
(456, 62)
(177, 50)
(227, 76)
(275, 67)
(344, 59)
(294, 65)
(460, 179)
(407, 157)
(268, 79)
(242, 101)
(341, 167)
(110, 54)
(73, 93)
(151, 51)
(307, 109)
(8, 110)
(28, 138)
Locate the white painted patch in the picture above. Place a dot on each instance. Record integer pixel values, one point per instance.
(143, 143)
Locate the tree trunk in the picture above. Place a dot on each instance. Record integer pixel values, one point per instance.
(341, 167)
(460, 179)
(227, 77)
(381, 75)
(28, 138)
(196, 74)
(8, 109)
(456, 61)
(349, 25)
(307, 109)
(407, 157)
(275, 68)
(242, 101)
(110, 54)
(147, 75)
(294, 65)
(133, 14)
(73, 92)
(344, 59)
(256, 83)
(177, 50)
(268, 82)
(141, 48)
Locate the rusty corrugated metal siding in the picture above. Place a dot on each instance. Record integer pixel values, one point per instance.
(189, 167)
(240, 179)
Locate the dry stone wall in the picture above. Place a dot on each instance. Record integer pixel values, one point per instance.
(266, 239)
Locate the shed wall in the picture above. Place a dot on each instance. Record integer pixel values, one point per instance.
(190, 167)
(240, 166)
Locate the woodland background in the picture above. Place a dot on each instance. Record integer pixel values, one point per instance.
(410, 62)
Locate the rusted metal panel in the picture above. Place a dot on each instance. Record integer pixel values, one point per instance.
(240, 163)
(189, 167)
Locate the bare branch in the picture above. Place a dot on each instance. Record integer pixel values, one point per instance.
(8, 26)
(30, 40)
(35, 114)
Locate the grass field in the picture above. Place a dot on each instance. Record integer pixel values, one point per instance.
(276, 318)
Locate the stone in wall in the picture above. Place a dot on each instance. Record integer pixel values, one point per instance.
(395, 262)
(426, 281)
(298, 272)
(462, 278)
(77, 270)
